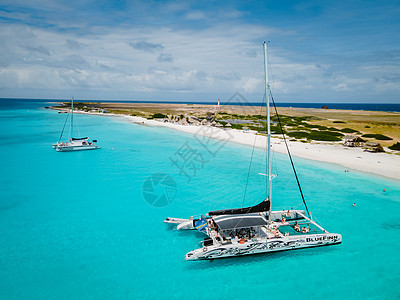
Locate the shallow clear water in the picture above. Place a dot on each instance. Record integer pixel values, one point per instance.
(76, 225)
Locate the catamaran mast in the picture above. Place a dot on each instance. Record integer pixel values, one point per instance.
(72, 115)
(267, 95)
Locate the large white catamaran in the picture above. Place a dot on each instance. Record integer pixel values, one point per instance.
(256, 229)
(74, 144)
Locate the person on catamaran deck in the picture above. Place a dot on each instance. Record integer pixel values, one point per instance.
(305, 229)
(296, 227)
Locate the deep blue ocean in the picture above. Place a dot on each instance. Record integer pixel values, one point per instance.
(85, 225)
(238, 100)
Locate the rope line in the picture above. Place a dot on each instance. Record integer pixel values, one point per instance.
(66, 119)
(290, 157)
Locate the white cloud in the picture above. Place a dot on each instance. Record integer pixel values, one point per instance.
(165, 57)
(251, 84)
(196, 15)
(341, 87)
(123, 62)
(146, 46)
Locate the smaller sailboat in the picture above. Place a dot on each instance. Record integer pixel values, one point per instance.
(74, 144)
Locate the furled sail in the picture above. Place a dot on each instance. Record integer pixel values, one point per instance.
(261, 207)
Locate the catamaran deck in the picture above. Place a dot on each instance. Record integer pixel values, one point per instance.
(242, 228)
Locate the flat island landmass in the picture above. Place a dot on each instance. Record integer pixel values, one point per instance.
(368, 141)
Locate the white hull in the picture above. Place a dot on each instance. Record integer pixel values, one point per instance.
(259, 246)
(76, 148)
(270, 237)
(175, 220)
(75, 145)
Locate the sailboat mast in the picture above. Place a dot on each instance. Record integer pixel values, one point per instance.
(267, 95)
(72, 115)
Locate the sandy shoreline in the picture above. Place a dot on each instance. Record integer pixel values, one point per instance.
(383, 164)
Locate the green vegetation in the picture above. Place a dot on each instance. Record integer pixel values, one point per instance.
(222, 122)
(158, 116)
(333, 129)
(367, 126)
(291, 121)
(298, 134)
(339, 122)
(377, 136)
(395, 146)
(237, 126)
(348, 130)
(135, 113)
(119, 111)
(277, 130)
(320, 127)
(324, 136)
(332, 133)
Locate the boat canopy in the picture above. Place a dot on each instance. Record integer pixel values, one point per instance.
(226, 222)
(78, 139)
(261, 207)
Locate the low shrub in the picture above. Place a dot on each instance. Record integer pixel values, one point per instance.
(222, 122)
(298, 134)
(331, 133)
(377, 136)
(348, 130)
(237, 126)
(320, 127)
(325, 136)
(158, 116)
(395, 146)
(277, 130)
(333, 129)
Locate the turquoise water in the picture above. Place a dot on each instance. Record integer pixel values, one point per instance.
(76, 225)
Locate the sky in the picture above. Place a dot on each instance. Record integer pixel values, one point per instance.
(318, 51)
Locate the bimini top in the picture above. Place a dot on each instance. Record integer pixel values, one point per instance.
(261, 207)
(79, 139)
(225, 222)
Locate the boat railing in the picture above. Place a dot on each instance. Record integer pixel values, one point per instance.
(305, 217)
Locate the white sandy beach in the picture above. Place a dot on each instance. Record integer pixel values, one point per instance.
(384, 164)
